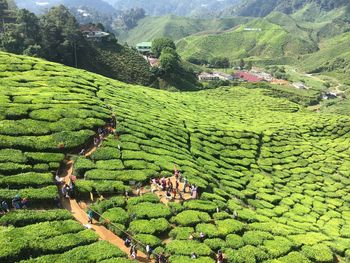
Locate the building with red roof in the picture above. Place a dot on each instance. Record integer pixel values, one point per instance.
(248, 77)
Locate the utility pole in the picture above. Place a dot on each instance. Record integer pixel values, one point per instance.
(75, 55)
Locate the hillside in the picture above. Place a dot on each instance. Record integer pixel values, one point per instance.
(41, 6)
(115, 61)
(197, 8)
(282, 169)
(259, 8)
(175, 27)
(276, 37)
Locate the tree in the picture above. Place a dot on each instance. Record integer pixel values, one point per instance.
(249, 65)
(61, 35)
(242, 63)
(22, 34)
(169, 60)
(219, 62)
(160, 43)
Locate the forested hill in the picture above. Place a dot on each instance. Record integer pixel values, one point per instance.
(263, 8)
(41, 6)
(196, 8)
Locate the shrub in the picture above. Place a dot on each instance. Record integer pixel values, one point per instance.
(215, 243)
(256, 238)
(41, 157)
(115, 215)
(187, 259)
(234, 241)
(26, 180)
(82, 165)
(26, 217)
(35, 196)
(202, 205)
(246, 254)
(106, 153)
(149, 210)
(151, 240)
(153, 226)
(13, 168)
(209, 230)
(181, 233)
(292, 257)
(148, 197)
(11, 155)
(278, 247)
(102, 206)
(318, 253)
(187, 247)
(191, 218)
(99, 251)
(229, 226)
(113, 164)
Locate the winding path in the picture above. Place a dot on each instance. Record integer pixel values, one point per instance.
(80, 215)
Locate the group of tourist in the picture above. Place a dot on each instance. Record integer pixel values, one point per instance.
(172, 190)
(17, 203)
(67, 189)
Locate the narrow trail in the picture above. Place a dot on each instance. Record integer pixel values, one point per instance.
(81, 216)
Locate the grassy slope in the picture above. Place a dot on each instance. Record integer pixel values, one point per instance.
(283, 169)
(175, 27)
(115, 61)
(276, 40)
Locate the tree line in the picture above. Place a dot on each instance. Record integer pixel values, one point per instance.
(54, 36)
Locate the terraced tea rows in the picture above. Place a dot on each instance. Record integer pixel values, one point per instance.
(272, 177)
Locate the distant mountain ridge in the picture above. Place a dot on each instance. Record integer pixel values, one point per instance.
(39, 6)
(195, 8)
(260, 8)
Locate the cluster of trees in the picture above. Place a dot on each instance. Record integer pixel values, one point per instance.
(54, 36)
(278, 72)
(165, 50)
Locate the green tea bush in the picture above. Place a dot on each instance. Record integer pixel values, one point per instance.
(256, 238)
(115, 215)
(106, 153)
(209, 230)
(187, 259)
(26, 180)
(103, 205)
(234, 241)
(82, 165)
(215, 243)
(278, 247)
(187, 247)
(201, 205)
(110, 164)
(149, 210)
(246, 254)
(229, 226)
(181, 233)
(11, 155)
(98, 251)
(26, 217)
(41, 157)
(36, 196)
(148, 197)
(151, 240)
(318, 253)
(153, 226)
(191, 218)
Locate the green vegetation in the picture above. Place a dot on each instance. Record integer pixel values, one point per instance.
(277, 173)
(175, 27)
(27, 34)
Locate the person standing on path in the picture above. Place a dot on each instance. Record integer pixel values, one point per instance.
(148, 251)
(90, 216)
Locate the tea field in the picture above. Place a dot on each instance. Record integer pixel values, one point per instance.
(282, 169)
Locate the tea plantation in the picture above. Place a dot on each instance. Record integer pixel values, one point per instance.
(282, 169)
